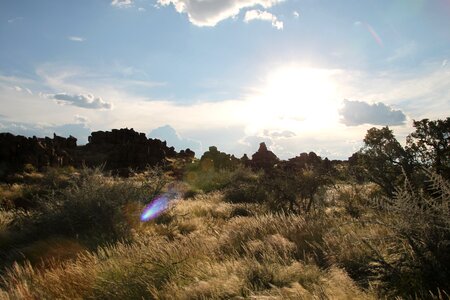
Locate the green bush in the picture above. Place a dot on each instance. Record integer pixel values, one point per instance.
(246, 187)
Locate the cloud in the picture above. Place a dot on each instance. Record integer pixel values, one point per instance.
(22, 89)
(80, 100)
(279, 134)
(170, 135)
(81, 119)
(210, 12)
(296, 14)
(358, 112)
(122, 3)
(15, 20)
(264, 16)
(76, 38)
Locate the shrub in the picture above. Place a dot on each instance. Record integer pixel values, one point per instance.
(421, 223)
(246, 186)
(403, 246)
(93, 209)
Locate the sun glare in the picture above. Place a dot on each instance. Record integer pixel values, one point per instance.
(296, 99)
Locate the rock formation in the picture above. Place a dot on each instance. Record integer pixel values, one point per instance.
(220, 160)
(16, 151)
(264, 159)
(117, 150)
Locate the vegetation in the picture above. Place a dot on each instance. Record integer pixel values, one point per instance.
(302, 229)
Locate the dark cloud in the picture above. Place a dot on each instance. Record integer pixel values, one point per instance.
(170, 135)
(84, 101)
(358, 112)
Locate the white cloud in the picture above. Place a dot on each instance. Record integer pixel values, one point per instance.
(22, 89)
(356, 113)
(211, 12)
(81, 119)
(15, 19)
(264, 16)
(76, 38)
(173, 138)
(296, 14)
(406, 51)
(141, 9)
(444, 63)
(122, 3)
(80, 100)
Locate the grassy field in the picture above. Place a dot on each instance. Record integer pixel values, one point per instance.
(77, 234)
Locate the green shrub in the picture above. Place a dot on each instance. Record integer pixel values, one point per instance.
(245, 186)
(208, 179)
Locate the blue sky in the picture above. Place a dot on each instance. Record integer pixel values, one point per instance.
(301, 75)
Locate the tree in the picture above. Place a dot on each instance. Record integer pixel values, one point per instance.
(383, 158)
(429, 144)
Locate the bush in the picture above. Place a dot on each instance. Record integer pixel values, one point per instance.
(207, 179)
(245, 186)
(421, 223)
(93, 209)
(403, 246)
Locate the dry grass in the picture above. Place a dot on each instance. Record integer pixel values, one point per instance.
(205, 253)
(206, 248)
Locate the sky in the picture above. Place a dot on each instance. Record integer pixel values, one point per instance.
(299, 75)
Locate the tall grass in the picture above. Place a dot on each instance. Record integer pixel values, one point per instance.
(207, 248)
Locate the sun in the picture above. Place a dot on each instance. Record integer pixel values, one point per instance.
(295, 98)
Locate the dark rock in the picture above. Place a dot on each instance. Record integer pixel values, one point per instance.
(220, 160)
(119, 150)
(186, 154)
(264, 159)
(245, 160)
(16, 151)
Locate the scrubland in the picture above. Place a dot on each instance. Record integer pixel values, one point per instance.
(67, 234)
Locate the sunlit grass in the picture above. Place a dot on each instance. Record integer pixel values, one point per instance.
(207, 248)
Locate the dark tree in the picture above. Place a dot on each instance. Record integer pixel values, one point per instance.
(429, 144)
(383, 158)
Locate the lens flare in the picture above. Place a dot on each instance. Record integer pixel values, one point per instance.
(155, 208)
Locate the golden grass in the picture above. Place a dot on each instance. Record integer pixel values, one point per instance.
(206, 248)
(203, 253)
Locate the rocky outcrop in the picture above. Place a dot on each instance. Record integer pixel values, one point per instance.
(124, 148)
(16, 151)
(117, 150)
(220, 160)
(264, 159)
(186, 154)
